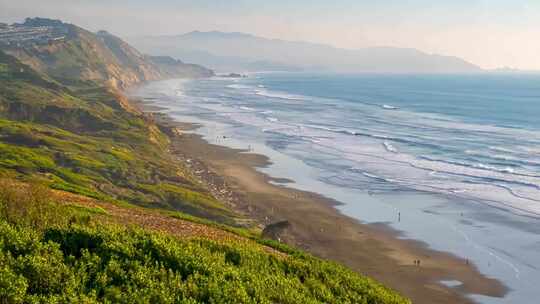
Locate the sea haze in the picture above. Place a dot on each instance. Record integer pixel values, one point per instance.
(458, 156)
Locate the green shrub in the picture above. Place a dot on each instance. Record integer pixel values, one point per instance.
(60, 255)
(13, 287)
(112, 264)
(108, 263)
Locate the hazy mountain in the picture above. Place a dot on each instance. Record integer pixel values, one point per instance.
(509, 70)
(218, 49)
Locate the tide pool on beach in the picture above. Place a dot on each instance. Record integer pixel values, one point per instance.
(452, 161)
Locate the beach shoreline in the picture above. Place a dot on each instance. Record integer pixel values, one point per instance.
(315, 225)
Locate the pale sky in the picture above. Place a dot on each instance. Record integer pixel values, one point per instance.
(489, 33)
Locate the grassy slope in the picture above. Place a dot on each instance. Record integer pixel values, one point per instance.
(86, 254)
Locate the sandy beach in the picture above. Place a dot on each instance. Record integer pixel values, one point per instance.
(315, 225)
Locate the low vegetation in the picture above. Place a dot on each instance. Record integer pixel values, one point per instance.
(66, 254)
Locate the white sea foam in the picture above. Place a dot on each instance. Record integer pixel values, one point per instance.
(238, 86)
(279, 95)
(389, 107)
(371, 175)
(389, 147)
(493, 168)
(332, 129)
(502, 149)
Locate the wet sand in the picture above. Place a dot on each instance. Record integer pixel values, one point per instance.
(319, 228)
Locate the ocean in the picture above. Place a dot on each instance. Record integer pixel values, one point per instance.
(457, 156)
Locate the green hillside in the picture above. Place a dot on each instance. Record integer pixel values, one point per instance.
(83, 140)
(73, 254)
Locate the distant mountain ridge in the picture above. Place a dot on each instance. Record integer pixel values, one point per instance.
(65, 51)
(245, 50)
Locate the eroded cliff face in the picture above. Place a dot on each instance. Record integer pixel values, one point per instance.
(79, 55)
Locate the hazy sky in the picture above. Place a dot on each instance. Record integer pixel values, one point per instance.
(490, 33)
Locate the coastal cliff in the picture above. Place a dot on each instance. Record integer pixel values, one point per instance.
(68, 53)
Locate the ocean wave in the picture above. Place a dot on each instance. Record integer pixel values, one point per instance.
(389, 147)
(238, 86)
(514, 193)
(501, 149)
(379, 178)
(372, 176)
(515, 161)
(330, 129)
(476, 171)
(455, 176)
(389, 107)
(379, 136)
(494, 166)
(470, 165)
(387, 138)
(279, 95)
(458, 191)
